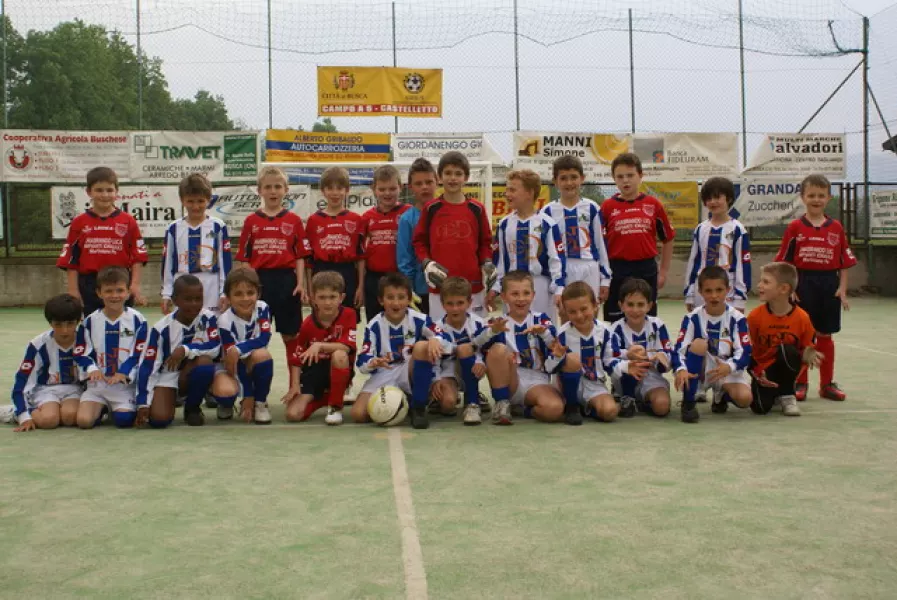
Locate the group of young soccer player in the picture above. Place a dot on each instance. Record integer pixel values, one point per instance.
(428, 276)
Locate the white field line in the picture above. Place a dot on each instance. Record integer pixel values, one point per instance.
(412, 557)
(865, 349)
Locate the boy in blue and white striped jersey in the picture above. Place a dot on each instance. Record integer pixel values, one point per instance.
(531, 242)
(197, 244)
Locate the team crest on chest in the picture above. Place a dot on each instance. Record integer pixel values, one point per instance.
(286, 228)
(648, 209)
(351, 226)
(833, 239)
(121, 229)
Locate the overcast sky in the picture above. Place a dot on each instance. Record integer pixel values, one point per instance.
(581, 84)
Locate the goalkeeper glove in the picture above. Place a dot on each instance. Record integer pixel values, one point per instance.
(489, 275)
(434, 273)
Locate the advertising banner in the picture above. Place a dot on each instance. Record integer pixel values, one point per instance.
(408, 146)
(680, 199)
(759, 202)
(290, 145)
(785, 156)
(883, 215)
(153, 207)
(233, 204)
(379, 92)
(61, 156)
(169, 156)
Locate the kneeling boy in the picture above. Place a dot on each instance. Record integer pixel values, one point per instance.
(783, 339)
(714, 346)
(397, 336)
(46, 390)
(178, 361)
(515, 361)
(321, 357)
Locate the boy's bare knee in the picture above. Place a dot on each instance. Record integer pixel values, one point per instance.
(340, 359)
(420, 351)
(224, 386)
(698, 346)
(464, 351)
(86, 421)
(606, 409)
(572, 364)
(359, 412)
(260, 355)
(48, 419)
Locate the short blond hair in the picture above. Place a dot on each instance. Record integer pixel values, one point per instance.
(782, 272)
(328, 280)
(386, 173)
(454, 287)
(335, 177)
(270, 171)
(529, 178)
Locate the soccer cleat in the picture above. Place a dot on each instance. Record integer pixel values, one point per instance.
(7, 413)
(225, 413)
(472, 415)
(485, 407)
(262, 414)
(690, 413)
(419, 419)
(800, 391)
(789, 406)
(179, 402)
(701, 397)
(501, 413)
(572, 414)
(211, 402)
(832, 391)
(720, 403)
(334, 416)
(627, 407)
(193, 416)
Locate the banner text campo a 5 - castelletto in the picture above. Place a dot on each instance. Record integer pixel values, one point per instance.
(379, 92)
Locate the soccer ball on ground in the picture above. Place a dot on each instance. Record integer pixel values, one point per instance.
(388, 406)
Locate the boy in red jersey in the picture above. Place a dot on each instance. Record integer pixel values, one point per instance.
(321, 357)
(273, 243)
(817, 246)
(381, 228)
(453, 237)
(104, 236)
(633, 221)
(336, 235)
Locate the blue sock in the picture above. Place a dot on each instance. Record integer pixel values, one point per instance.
(570, 387)
(262, 374)
(471, 384)
(421, 379)
(124, 420)
(226, 401)
(159, 423)
(246, 382)
(198, 383)
(501, 393)
(528, 412)
(694, 363)
(628, 383)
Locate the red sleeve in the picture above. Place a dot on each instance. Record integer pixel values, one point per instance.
(847, 258)
(420, 240)
(363, 234)
(302, 248)
(665, 230)
(66, 259)
(787, 240)
(244, 239)
(138, 245)
(349, 335)
(293, 351)
(485, 246)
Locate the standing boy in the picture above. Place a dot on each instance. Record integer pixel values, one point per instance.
(380, 225)
(720, 240)
(817, 246)
(453, 237)
(531, 242)
(634, 221)
(108, 347)
(714, 347)
(782, 338)
(422, 184)
(580, 222)
(335, 236)
(197, 244)
(103, 236)
(273, 243)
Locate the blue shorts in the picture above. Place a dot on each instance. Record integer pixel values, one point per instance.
(277, 292)
(816, 290)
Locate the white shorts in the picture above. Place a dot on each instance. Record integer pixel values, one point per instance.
(118, 396)
(396, 377)
(209, 289)
(526, 380)
(165, 379)
(588, 389)
(733, 377)
(477, 306)
(588, 271)
(43, 394)
(651, 381)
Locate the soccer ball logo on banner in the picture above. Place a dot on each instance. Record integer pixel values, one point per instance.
(414, 83)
